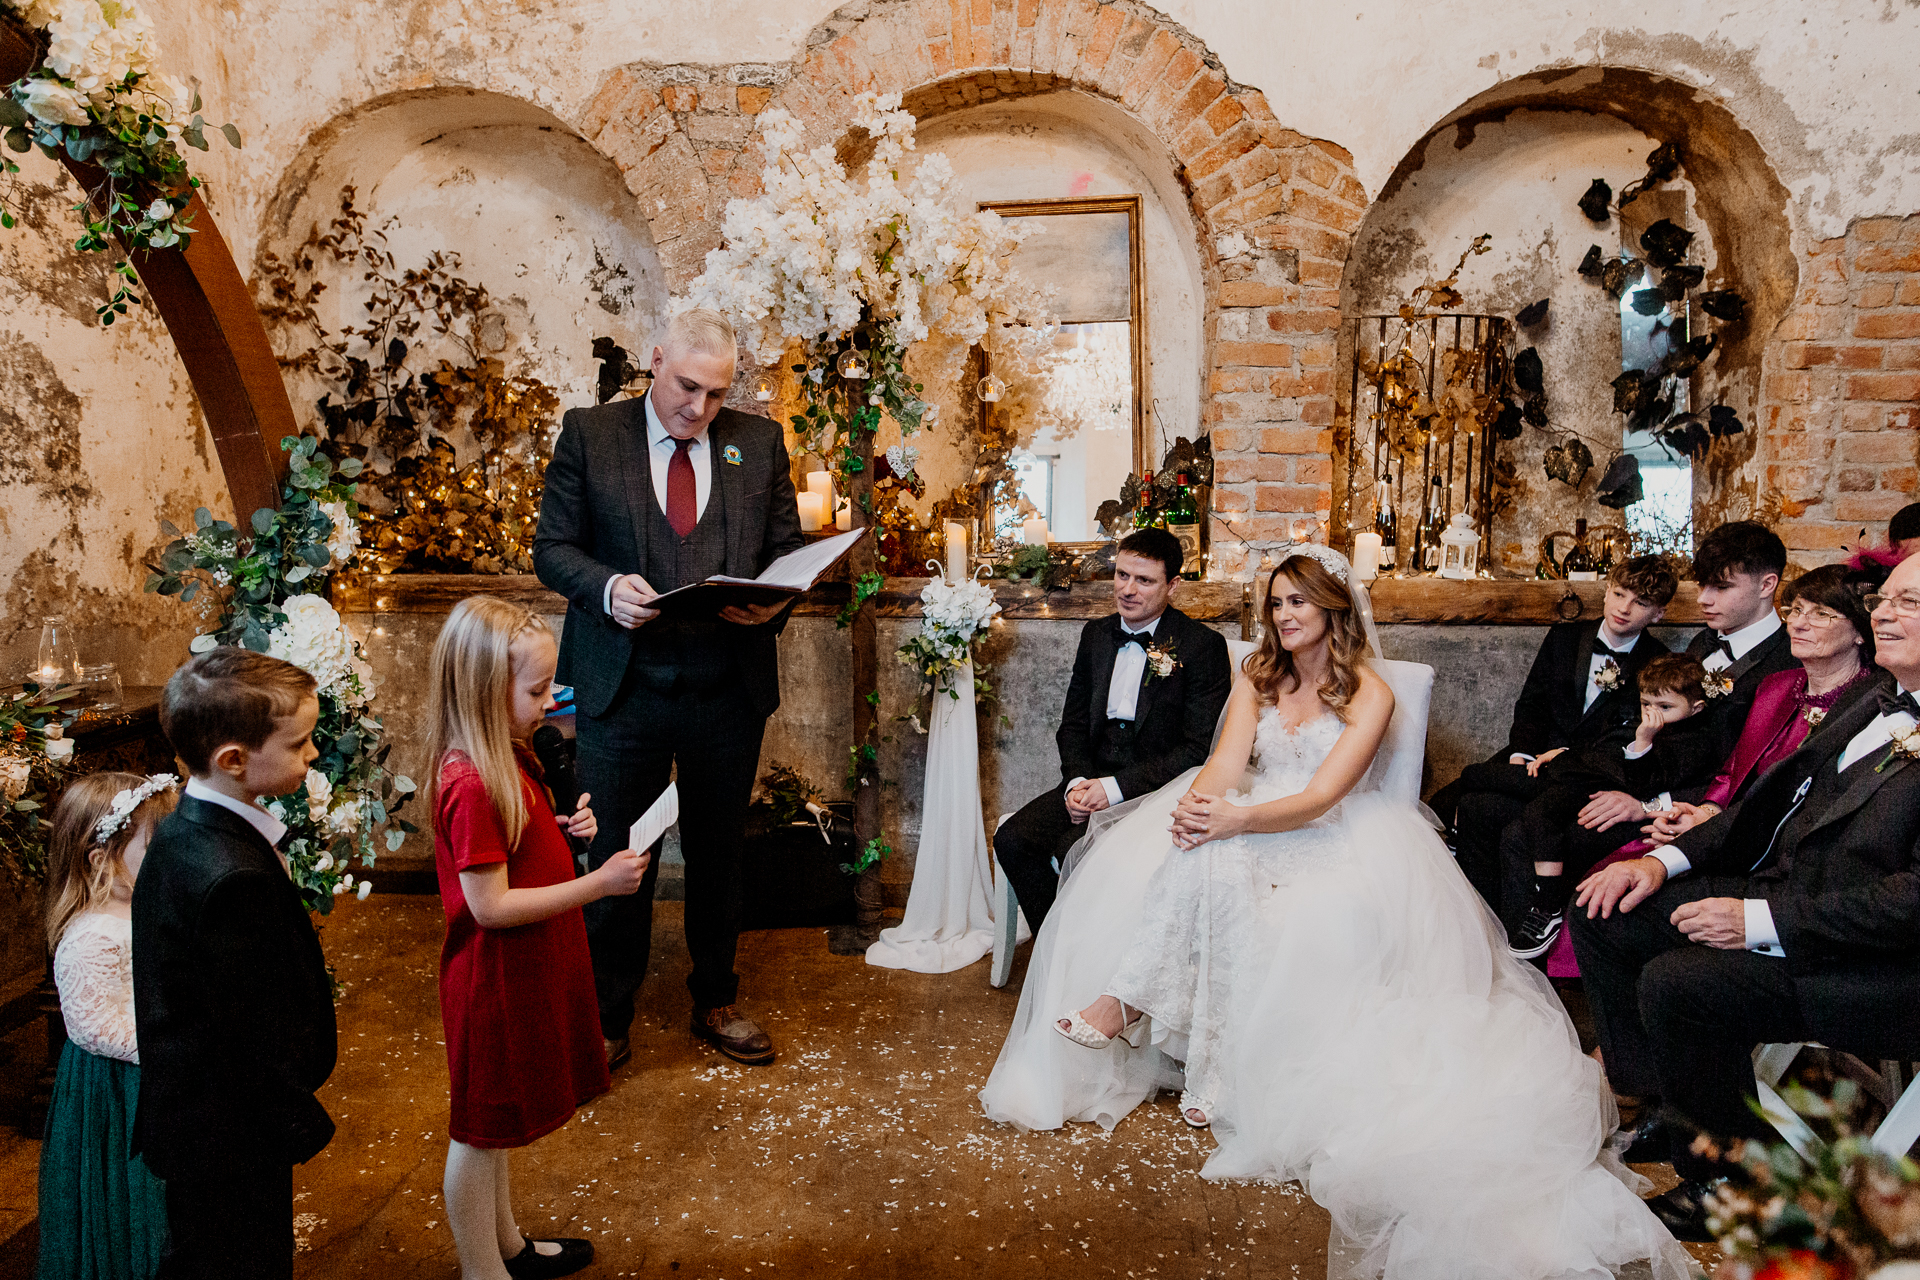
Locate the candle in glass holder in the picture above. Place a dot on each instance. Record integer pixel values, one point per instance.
(1366, 555)
(813, 511)
(1034, 532)
(956, 551)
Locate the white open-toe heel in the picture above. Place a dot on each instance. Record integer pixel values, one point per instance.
(1191, 1106)
(1084, 1033)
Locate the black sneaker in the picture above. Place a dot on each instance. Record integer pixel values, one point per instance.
(1534, 935)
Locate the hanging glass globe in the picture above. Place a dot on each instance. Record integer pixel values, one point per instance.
(853, 365)
(990, 389)
(763, 388)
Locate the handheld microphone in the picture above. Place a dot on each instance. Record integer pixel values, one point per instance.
(554, 750)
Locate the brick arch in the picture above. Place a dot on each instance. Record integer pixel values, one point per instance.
(1275, 210)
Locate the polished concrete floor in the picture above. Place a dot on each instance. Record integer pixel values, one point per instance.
(860, 1152)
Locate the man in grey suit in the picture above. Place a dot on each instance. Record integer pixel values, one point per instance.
(644, 496)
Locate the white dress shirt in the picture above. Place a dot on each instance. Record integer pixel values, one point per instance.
(1123, 691)
(660, 447)
(1762, 935)
(1599, 661)
(1742, 642)
(256, 817)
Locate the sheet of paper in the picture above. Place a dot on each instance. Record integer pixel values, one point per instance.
(654, 822)
(798, 569)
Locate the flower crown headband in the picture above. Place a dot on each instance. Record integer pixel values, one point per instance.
(125, 802)
(1330, 560)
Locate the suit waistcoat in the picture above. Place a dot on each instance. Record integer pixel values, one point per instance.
(672, 652)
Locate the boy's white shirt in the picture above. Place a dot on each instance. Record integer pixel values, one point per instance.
(256, 817)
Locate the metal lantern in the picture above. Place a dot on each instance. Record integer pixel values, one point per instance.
(1459, 548)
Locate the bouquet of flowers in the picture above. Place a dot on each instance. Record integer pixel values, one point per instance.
(34, 751)
(1843, 1215)
(952, 617)
(349, 797)
(96, 96)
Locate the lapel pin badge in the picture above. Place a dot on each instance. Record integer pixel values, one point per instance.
(731, 455)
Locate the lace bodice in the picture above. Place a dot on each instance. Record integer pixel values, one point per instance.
(1285, 760)
(93, 968)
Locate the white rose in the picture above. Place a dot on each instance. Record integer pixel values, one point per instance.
(366, 887)
(53, 103)
(323, 863)
(319, 795)
(345, 818)
(60, 750)
(14, 773)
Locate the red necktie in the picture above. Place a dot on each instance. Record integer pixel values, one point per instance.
(683, 503)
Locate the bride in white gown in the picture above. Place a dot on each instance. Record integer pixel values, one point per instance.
(1344, 1006)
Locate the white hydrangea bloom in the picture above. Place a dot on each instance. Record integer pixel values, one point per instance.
(346, 532)
(14, 774)
(344, 818)
(314, 640)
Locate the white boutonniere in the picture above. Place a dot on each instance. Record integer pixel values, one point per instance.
(1813, 716)
(1161, 661)
(1905, 746)
(1716, 684)
(1608, 677)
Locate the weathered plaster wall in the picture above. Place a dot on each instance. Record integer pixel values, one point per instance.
(100, 438)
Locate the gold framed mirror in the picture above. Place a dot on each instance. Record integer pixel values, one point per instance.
(1089, 252)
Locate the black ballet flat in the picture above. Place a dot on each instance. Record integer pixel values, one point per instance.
(1652, 1141)
(531, 1264)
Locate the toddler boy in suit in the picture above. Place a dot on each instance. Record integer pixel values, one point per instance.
(1670, 746)
(232, 1000)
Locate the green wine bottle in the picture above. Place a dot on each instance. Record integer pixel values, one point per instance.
(1183, 522)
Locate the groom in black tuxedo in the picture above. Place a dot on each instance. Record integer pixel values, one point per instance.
(1792, 916)
(1147, 688)
(644, 496)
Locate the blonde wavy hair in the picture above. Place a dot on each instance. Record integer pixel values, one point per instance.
(1271, 668)
(469, 700)
(80, 873)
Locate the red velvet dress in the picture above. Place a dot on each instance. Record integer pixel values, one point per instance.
(522, 1028)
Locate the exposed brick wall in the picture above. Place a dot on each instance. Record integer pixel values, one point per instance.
(1276, 211)
(1841, 400)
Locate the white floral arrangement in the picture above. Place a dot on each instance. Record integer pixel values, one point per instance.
(16, 771)
(314, 639)
(952, 617)
(1716, 684)
(97, 96)
(1608, 677)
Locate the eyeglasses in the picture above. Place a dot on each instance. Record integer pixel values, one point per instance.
(1905, 605)
(1813, 615)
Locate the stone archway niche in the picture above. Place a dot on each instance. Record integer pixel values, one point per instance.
(1513, 161)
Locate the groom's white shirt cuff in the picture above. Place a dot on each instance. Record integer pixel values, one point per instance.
(1673, 860)
(1111, 787)
(1762, 936)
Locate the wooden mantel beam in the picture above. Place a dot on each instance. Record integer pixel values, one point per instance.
(203, 299)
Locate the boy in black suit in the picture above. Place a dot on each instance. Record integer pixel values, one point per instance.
(232, 1001)
(1580, 686)
(1672, 745)
(1127, 728)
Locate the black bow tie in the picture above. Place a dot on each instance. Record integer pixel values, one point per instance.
(1600, 650)
(1893, 703)
(1726, 647)
(1126, 637)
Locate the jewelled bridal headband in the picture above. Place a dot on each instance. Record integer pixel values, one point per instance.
(125, 802)
(1330, 560)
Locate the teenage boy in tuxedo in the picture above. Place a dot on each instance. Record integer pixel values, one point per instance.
(1580, 686)
(232, 1002)
(1126, 728)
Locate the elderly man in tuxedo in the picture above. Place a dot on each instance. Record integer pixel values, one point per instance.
(1794, 915)
(1147, 688)
(644, 496)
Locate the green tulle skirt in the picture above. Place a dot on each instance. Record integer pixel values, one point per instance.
(103, 1216)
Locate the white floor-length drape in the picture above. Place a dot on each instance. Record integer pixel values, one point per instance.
(949, 920)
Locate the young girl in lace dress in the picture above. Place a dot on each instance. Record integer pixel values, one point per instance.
(102, 1214)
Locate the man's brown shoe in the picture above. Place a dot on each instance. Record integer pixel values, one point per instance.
(734, 1034)
(618, 1051)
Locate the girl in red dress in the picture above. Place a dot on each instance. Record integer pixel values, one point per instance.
(516, 985)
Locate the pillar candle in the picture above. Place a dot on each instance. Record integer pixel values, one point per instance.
(1366, 555)
(1034, 532)
(843, 517)
(956, 551)
(820, 482)
(813, 511)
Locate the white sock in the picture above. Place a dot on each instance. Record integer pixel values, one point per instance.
(475, 1189)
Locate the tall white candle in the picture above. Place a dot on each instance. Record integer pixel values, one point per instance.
(1366, 555)
(1034, 532)
(820, 482)
(813, 511)
(956, 551)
